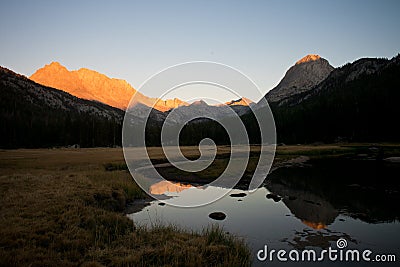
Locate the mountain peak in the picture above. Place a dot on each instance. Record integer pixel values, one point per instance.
(239, 102)
(54, 66)
(55, 63)
(92, 85)
(199, 102)
(301, 77)
(85, 83)
(308, 58)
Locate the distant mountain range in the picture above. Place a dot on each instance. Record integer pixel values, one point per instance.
(356, 102)
(92, 85)
(313, 102)
(33, 115)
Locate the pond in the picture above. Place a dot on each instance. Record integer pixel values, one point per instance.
(302, 207)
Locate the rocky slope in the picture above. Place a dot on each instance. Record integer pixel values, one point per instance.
(201, 108)
(89, 84)
(92, 85)
(197, 108)
(343, 76)
(303, 76)
(33, 115)
(51, 98)
(356, 102)
(240, 102)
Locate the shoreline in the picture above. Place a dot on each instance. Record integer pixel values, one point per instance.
(62, 207)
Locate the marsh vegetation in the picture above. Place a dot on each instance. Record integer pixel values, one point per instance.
(66, 207)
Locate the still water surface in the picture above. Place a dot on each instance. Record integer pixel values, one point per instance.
(317, 205)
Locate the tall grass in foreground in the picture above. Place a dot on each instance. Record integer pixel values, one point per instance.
(68, 211)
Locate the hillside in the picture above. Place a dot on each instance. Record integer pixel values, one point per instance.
(32, 115)
(92, 85)
(357, 102)
(301, 77)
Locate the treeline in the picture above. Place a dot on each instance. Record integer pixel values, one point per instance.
(31, 116)
(365, 109)
(194, 132)
(31, 126)
(58, 129)
(362, 110)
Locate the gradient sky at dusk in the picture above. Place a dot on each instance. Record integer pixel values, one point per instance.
(133, 40)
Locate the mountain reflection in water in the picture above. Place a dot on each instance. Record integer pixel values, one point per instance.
(365, 190)
(164, 187)
(310, 208)
(327, 199)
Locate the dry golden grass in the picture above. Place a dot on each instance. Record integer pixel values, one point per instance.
(60, 207)
(336, 150)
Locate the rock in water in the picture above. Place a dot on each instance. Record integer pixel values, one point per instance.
(219, 216)
(238, 195)
(274, 197)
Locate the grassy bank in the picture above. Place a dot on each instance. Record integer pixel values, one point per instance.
(65, 207)
(286, 155)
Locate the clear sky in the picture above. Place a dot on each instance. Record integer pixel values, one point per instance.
(133, 40)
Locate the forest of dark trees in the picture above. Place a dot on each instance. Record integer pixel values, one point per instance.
(58, 129)
(365, 109)
(34, 128)
(27, 121)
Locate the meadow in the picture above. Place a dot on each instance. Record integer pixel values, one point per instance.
(66, 207)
